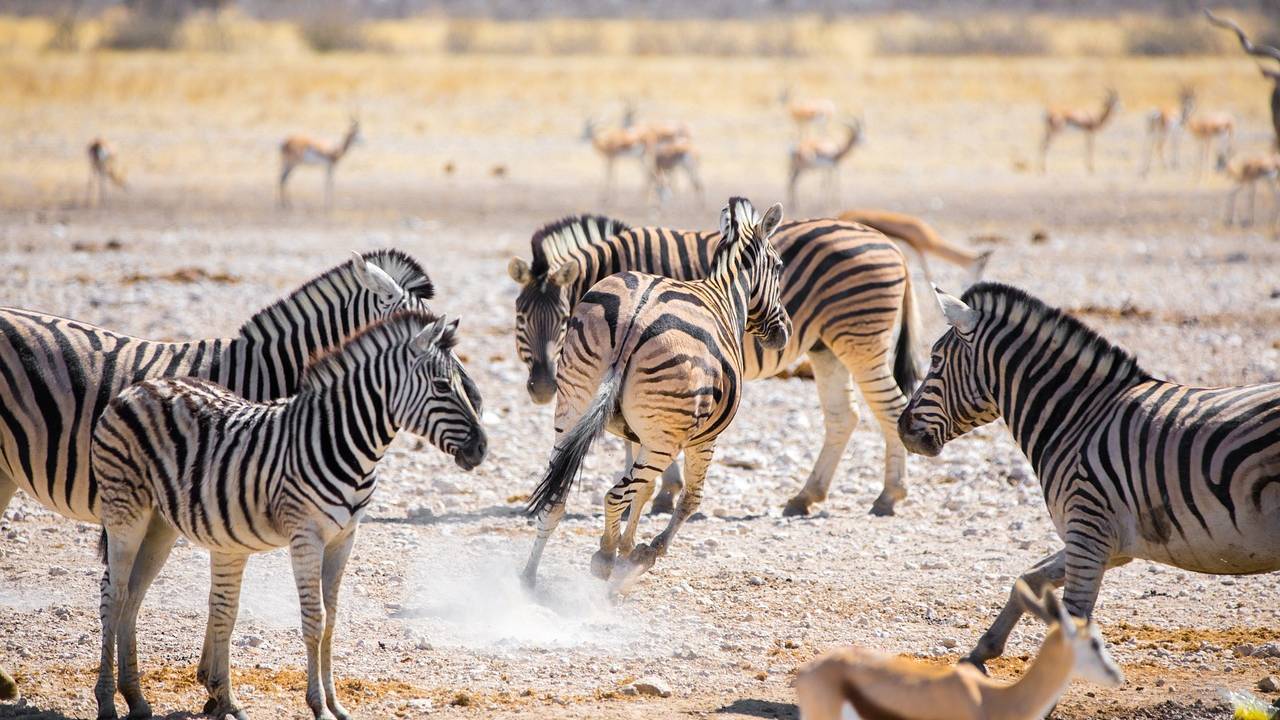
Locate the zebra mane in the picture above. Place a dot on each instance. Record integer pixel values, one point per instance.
(1078, 339)
(330, 363)
(569, 234)
(403, 268)
(741, 218)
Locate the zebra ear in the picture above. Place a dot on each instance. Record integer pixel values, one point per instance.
(519, 271)
(958, 315)
(375, 279)
(565, 274)
(423, 341)
(770, 222)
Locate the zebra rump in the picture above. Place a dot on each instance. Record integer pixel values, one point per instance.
(566, 460)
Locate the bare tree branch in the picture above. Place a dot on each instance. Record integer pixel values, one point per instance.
(1265, 51)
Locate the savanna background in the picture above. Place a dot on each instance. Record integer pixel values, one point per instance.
(472, 116)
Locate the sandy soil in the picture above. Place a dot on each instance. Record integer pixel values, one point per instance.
(433, 618)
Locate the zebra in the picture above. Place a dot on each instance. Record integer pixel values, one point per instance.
(1131, 466)
(185, 456)
(57, 375)
(659, 362)
(846, 287)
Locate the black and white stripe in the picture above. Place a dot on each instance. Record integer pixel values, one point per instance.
(1131, 466)
(187, 456)
(659, 362)
(845, 286)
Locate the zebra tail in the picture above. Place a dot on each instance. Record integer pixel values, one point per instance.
(102, 546)
(567, 458)
(905, 371)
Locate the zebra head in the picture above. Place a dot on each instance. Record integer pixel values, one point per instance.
(741, 228)
(954, 397)
(436, 402)
(542, 310)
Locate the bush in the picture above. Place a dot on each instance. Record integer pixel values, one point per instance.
(137, 31)
(66, 35)
(1170, 38)
(335, 33)
(964, 38)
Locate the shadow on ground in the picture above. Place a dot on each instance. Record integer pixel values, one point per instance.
(761, 709)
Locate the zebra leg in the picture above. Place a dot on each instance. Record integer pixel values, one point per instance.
(637, 508)
(835, 392)
(226, 574)
(1049, 570)
(306, 550)
(8, 688)
(697, 459)
(124, 541)
(547, 523)
(335, 562)
(644, 471)
(672, 484)
(150, 558)
(887, 402)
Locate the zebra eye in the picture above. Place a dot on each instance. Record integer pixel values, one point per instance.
(441, 387)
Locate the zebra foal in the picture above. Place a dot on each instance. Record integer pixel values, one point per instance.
(659, 362)
(186, 456)
(1131, 466)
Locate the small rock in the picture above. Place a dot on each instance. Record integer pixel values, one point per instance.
(1269, 683)
(57, 571)
(1159, 682)
(629, 690)
(1269, 650)
(654, 686)
(1242, 650)
(421, 704)
(756, 580)
(949, 643)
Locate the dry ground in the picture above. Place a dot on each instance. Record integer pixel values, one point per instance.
(433, 620)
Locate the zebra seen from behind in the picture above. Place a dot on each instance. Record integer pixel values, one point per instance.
(57, 375)
(846, 288)
(659, 362)
(1131, 466)
(186, 456)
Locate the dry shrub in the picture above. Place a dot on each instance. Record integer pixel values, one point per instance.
(720, 40)
(965, 37)
(338, 32)
(140, 31)
(1159, 38)
(66, 35)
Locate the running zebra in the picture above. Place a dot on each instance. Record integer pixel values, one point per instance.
(57, 375)
(659, 362)
(1131, 466)
(187, 456)
(845, 286)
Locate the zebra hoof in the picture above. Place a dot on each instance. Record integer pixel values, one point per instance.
(602, 565)
(797, 506)
(979, 664)
(882, 509)
(8, 688)
(209, 706)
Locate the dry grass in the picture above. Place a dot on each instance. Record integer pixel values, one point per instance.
(794, 36)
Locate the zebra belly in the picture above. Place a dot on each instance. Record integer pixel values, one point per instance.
(1219, 547)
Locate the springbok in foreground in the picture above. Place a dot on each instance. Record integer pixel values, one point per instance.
(1249, 171)
(1207, 128)
(103, 168)
(922, 238)
(1164, 130)
(1130, 466)
(660, 363)
(886, 686)
(1089, 122)
(1266, 52)
(825, 155)
(299, 150)
(807, 112)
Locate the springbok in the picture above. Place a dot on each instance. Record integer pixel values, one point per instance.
(1248, 171)
(1164, 129)
(664, 158)
(1206, 128)
(806, 112)
(102, 168)
(1058, 119)
(1267, 52)
(821, 154)
(300, 150)
(612, 144)
(885, 686)
(922, 238)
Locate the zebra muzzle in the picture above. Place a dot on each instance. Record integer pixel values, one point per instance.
(915, 437)
(472, 452)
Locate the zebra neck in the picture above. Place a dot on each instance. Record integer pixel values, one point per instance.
(344, 425)
(1050, 399)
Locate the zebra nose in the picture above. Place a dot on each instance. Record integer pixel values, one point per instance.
(473, 451)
